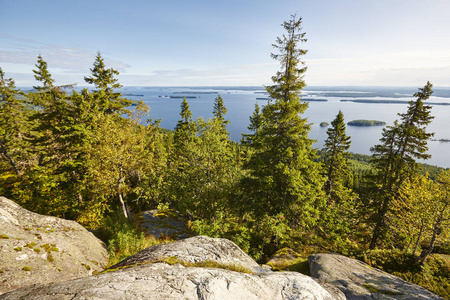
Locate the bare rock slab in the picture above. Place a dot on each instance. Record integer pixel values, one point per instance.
(196, 249)
(162, 281)
(359, 281)
(37, 249)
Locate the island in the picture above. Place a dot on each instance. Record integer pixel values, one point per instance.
(381, 101)
(181, 97)
(324, 124)
(366, 123)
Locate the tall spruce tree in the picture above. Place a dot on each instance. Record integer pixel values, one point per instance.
(337, 170)
(284, 176)
(395, 159)
(338, 174)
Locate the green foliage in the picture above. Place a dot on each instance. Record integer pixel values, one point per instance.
(109, 100)
(124, 238)
(395, 160)
(283, 176)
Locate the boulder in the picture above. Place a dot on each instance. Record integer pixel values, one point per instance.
(163, 281)
(360, 281)
(194, 250)
(37, 249)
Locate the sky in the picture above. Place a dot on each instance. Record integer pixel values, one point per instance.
(227, 43)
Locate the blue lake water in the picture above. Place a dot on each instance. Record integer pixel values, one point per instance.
(240, 102)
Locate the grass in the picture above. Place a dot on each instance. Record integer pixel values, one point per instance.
(124, 238)
(207, 264)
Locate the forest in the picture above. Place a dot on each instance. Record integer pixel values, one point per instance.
(87, 156)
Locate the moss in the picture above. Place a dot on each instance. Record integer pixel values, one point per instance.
(373, 289)
(110, 270)
(1, 271)
(26, 268)
(37, 250)
(88, 267)
(95, 272)
(54, 249)
(30, 245)
(206, 264)
(46, 247)
(4, 236)
(50, 258)
(18, 249)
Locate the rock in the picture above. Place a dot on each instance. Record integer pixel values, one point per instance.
(162, 281)
(159, 224)
(194, 250)
(37, 249)
(360, 281)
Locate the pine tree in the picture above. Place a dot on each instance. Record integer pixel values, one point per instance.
(395, 158)
(284, 176)
(103, 79)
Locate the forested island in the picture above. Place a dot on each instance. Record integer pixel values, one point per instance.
(366, 123)
(87, 156)
(388, 101)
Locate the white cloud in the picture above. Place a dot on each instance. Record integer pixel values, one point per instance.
(63, 59)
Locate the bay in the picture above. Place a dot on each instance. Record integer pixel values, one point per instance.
(324, 104)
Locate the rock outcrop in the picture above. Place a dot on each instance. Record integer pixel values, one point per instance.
(37, 249)
(162, 281)
(360, 281)
(197, 249)
(146, 276)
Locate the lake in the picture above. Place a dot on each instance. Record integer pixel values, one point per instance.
(324, 104)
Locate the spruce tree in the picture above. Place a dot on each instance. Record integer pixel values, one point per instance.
(338, 174)
(395, 159)
(219, 113)
(336, 163)
(106, 84)
(284, 176)
(13, 124)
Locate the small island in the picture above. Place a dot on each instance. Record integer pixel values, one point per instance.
(181, 97)
(366, 123)
(323, 124)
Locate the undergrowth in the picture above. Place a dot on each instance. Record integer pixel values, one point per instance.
(124, 237)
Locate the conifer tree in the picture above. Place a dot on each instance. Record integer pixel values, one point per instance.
(103, 79)
(336, 162)
(219, 113)
(284, 176)
(395, 159)
(43, 75)
(338, 174)
(13, 124)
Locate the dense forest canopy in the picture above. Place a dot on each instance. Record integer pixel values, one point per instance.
(82, 155)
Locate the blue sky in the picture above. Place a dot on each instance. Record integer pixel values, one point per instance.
(212, 42)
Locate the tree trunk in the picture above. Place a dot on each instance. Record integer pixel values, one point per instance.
(436, 230)
(11, 160)
(418, 240)
(119, 194)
